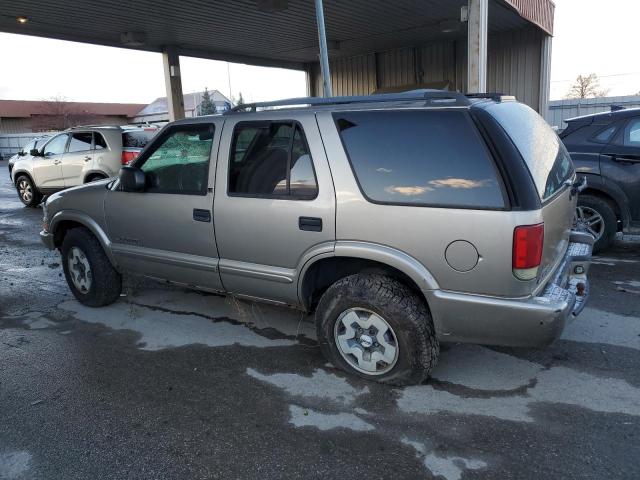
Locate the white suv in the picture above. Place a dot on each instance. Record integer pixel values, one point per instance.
(76, 156)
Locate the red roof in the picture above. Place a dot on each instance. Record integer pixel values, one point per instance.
(26, 108)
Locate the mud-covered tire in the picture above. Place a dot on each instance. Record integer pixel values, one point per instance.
(402, 309)
(106, 283)
(610, 221)
(27, 191)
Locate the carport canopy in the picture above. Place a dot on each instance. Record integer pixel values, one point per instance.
(277, 33)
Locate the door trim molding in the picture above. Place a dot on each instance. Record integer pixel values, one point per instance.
(170, 258)
(259, 272)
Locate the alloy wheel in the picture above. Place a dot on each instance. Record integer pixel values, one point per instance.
(589, 220)
(80, 270)
(366, 341)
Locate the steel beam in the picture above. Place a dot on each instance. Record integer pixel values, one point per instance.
(478, 26)
(324, 52)
(173, 82)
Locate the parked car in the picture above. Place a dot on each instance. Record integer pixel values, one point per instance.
(26, 150)
(74, 157)
(402, 220)
(605, 148)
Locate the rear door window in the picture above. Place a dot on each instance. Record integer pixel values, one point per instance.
(80, 142)
(420, 157)
(271, 159)
(544, 153)
(632, 133)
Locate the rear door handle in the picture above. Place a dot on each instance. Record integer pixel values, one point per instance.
(312, 224)
(86, 159)
(200, 215)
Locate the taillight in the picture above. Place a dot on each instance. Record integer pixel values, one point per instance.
(527, 250)
(128, 157)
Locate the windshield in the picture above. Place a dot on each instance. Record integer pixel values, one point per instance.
(544, 153)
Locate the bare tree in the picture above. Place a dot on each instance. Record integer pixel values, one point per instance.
(587, 86)
(59, 113)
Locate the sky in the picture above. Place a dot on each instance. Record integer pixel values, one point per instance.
(591, 36)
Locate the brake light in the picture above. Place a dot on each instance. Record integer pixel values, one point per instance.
(527, 250)
(128, 157)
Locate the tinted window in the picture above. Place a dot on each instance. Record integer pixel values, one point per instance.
(180, 162)
(136, 138)
(543, 152)
(56, 145)
(605, 135)
(632, 133)
(420, 157)
(271, 159)
(80, 142)
(100, 144)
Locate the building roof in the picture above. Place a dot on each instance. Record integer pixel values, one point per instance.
(263, 32)
(191, 102)
(27, 108)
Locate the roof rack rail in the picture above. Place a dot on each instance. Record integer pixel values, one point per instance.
(93, 126)
(495, 96)
(433, 97)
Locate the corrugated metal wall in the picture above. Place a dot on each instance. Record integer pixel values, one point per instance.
(560, 110)
(15, 125)
(513, 67)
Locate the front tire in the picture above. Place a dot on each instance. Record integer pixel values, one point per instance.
(375, 327)
(27, 191)
(89, 273)
(596, 216)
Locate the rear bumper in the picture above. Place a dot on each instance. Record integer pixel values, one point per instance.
(528, 322)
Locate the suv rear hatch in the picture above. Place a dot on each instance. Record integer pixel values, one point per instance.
(552, 172)
(133, 141)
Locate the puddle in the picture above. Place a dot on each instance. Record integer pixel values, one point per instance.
(306, 417)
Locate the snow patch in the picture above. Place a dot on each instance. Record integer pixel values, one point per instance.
(320, 384)
(483, 369)
(596, 326)
(451, 468)
(14, 465)
(159, 330)
(305, 417)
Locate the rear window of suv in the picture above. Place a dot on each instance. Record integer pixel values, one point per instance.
(136, 138)
(420, 157)
(544, 153)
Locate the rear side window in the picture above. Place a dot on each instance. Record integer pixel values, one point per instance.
(271, 159)
(136, 138)
(100, 143)
(632, 133)
(545, 155)
(80, 142)
(420, 157)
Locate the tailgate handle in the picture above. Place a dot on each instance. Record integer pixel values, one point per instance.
(312, 224)
(200, 215)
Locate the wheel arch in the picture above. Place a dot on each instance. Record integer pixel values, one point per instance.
(349, 258)
(93, 173)
(600, 187)
(66, 220)
(18, 173)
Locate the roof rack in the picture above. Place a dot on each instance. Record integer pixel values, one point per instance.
(495, 96)
(432, 97)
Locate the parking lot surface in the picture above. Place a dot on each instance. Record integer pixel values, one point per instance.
(171, 383)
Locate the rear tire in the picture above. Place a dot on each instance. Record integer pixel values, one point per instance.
(350, 331)
(608, 225)
(89, 273)
(94, 177)
(27, 191)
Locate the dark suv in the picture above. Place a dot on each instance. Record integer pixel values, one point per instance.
(605, 148)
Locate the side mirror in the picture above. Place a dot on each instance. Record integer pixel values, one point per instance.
(132, 179)
(34, 152)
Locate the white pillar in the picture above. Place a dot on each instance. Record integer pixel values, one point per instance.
(173, 83)
(545, 75)
(478, 26)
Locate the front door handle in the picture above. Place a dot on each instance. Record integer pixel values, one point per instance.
(57, 162)
(311, 224)
(200, 215)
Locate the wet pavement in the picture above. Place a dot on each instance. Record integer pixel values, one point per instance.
(170, 383)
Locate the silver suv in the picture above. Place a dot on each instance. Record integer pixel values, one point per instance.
(402, 220)
(76, 156)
